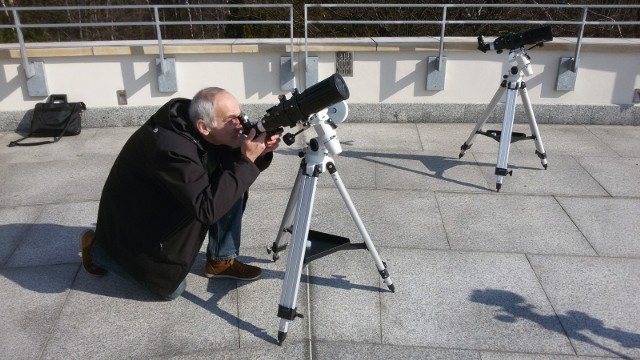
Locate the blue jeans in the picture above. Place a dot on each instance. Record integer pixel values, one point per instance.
(224, 235)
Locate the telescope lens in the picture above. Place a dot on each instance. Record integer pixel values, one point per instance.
(325, 93)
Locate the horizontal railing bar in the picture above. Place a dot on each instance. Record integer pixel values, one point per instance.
(112, 7)
(325, 22)
(436, 22)
(137, 23)
(544, 6)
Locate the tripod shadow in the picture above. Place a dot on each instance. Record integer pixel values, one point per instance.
(436, 166)
(574, 324)
(219, 288)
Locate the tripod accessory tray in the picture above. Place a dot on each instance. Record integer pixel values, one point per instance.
(321, 244)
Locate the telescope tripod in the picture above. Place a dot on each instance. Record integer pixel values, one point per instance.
(512, 84)
(306, 245)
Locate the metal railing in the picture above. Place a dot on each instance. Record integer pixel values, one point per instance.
(443, 22)
(570, 64)
(156, 23)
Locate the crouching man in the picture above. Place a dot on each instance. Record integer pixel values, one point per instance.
(186, 171)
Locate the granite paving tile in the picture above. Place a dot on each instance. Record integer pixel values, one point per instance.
(352, 351)
(596, 300)
(464, 300)
(204, 318)
(609, 224)
(564, 175)
(567, 140)
(427, 171)
(14, 225)
(32, 299)
(510, 223)
(55, 234)
(622, 139)
(618, 176)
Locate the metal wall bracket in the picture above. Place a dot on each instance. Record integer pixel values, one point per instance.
(311, 75)
(567, 73)
(121, 95)
(37, 84)
(436, 69)
(167, 81)
(287, 80)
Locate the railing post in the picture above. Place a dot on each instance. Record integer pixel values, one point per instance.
(287, 75)
(568, 68)
(436, 66)
(28, 67)
(291, 34)
(165, 68)
(576, 56)
(310, 63)
(306, 35)
(159, 35)
(444, 23)
(34, 71)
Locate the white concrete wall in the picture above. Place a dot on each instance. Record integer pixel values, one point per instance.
(386, 71)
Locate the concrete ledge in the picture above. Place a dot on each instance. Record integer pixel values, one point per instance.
(373, 113)
(228, 46)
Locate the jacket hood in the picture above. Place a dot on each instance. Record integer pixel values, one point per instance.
(174, 115)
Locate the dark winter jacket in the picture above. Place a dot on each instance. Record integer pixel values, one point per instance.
(166, 187)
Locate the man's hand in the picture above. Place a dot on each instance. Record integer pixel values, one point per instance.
(253, 146)
(272, 142)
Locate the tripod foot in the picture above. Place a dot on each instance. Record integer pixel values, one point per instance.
(281, 336)
(498, 186)
(543, 159)
(463, 149)
(392, 288)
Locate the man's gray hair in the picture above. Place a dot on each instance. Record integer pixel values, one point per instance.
(203, 106)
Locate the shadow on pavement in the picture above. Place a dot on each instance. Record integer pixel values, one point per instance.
(574, 324)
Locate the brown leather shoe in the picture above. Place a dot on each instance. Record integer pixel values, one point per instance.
(86, 243)
(232, 269)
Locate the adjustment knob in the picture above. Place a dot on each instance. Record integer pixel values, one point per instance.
(314, 145)
(289, 138)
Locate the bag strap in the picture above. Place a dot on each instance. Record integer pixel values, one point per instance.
(55, 138)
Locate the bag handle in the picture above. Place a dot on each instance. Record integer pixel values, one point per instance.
(55, 139)
(57, 98)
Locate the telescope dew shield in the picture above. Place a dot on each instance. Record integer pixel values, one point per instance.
(517, 40)
(323, 94)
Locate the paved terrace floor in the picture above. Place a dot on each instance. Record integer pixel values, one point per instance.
(548, 268)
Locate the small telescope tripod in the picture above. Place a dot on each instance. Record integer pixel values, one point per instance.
(512, 84)
(306, 245)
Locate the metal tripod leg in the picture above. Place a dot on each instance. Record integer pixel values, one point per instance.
(533, 125)
(291, 284)
(382, 268)
(287, 220)
(492, 105)
(502, 166)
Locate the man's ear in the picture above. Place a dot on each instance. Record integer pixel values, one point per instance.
(202, 128)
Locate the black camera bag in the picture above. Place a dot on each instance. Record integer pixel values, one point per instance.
(55, 118)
